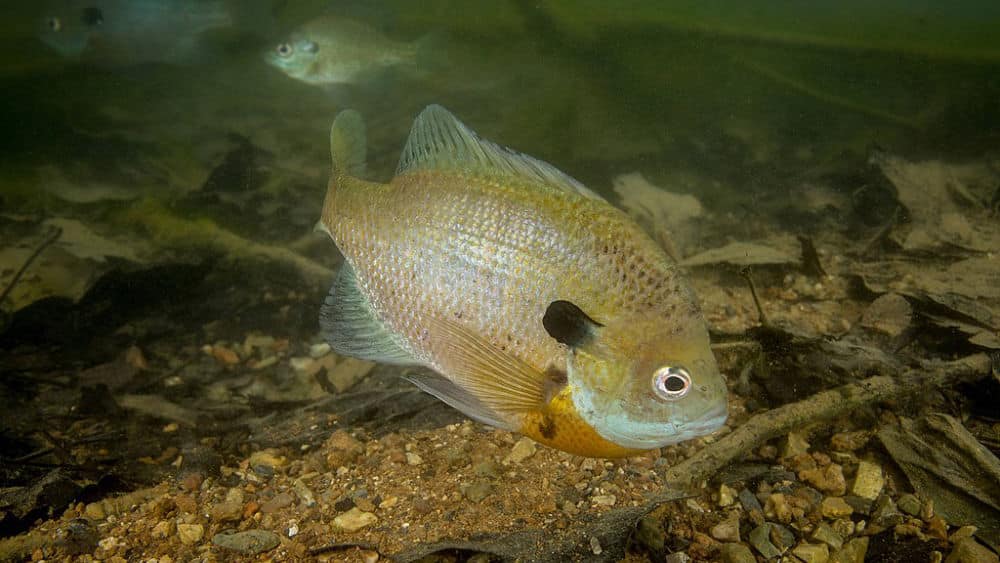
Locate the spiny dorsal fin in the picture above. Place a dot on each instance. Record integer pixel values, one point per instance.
(349, 143)
(351, 327)
(439, 141)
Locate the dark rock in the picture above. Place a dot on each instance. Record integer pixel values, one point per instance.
(649, 533)
(859, 504)
(782, 537)
(749, 501)
(736, 553)
(760, 539)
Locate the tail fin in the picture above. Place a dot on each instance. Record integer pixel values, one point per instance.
(348, 144)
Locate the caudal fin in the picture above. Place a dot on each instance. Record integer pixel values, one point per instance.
(348, 144)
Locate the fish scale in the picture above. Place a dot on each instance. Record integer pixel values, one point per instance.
(459, 264)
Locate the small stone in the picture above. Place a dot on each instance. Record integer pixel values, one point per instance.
(250, 542)
(853, 551)
(171, 427)
(603, 500)
(835, 507)
(968, 550)
(353, 520)
(595, 546)
(108, 544)
(937, 528)
(389, 502)
(163, 529)
(927, 510)
(680, 557)
(488, 468)
(782, 537)
(885, 513)
(962, 533)
(812, 552)
(777, 507)
(226, 511)
(729, 529)
(277, 502)
(305, 494)
(736, 553)
(369, 556)
(760, 539)
(192, 481)
(649, 533)
(413, 459)
(190, 534)
(794, 444)
(522, 450)
(824, 533)
(268, 460)
(909, 504)
(727, 495)
(477, 490)
(186, 503)
(869, 481)
(341, 449)
(319, 350)
(800, 463)
(749, 501)
(95, 511)
(860, 505)
(908, 530)
(135, 358)
(849, 441)
(829, 479)
(843, 526)
(225, 355)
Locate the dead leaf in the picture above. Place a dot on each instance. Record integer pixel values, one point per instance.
(776, 252)
(80, 241)
(672, 219)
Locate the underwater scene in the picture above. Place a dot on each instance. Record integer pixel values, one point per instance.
(489, 281)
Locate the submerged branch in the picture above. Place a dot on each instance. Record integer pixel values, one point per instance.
(819, 407)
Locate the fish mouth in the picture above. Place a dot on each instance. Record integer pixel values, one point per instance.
(651, 435)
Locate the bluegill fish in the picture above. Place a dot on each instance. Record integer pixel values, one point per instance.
(123, 32)
(538, 306)
(332, 50)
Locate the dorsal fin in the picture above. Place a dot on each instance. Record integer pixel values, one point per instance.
(439, 141)
(349, 143)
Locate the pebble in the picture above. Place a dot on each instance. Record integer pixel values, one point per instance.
(793, 445)
(413, 459)
(342, 449)
(319, 350)
(267, 458)
(190, 534)
(679, 557)
(225, 355)
(186, 503)
(885, 513)
(849, 441)
(649, 533)
(824, 533)
(603, 500)
(727, 495)
(304, 493)
(277, 502)
(962, 533)
(760, 539)
(829, 479)
(162, 529)
(749, 501)
(736, 553)
(226, 511)
(477, 490)
(782, 537)
(968, 550)
(95, 511)
(812, 552)
(909, 504)
(778, 508)
(835, 507)
(488, 468)
(853, 551)
(522, 450)
(869, 481)
(353, 520)
(729, 529)
(250, 542)
(595, 546)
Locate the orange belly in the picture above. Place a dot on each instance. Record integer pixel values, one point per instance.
(559, 426)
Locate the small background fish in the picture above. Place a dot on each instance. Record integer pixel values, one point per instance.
(332, 50)
(541, 308)
(123, 32)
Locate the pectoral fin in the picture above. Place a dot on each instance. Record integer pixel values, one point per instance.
(499, 380)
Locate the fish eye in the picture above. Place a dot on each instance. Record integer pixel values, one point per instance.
(284, 50)
(55, 24)
(671, 383)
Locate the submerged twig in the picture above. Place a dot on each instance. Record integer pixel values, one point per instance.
(745, 273)
(53, 236)
(822, 406)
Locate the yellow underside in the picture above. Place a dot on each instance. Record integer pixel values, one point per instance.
(559, 426)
